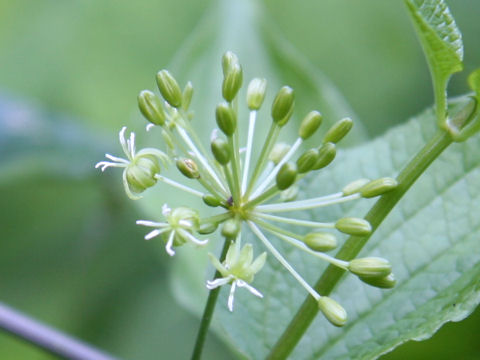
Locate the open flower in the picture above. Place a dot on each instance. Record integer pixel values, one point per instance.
(238, 269)
(140, 168)
(177, 230)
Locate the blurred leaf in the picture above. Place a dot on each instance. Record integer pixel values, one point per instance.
(431, 239)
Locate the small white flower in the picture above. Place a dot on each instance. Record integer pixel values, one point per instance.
(178, 228)
(140, 168)
(238, 269)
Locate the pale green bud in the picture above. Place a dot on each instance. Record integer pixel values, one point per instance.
(229, 59)
(207, 228)
(232, 82)
(326, 154)
(289, 194)
(140, 173)
(226, 119)
(338, 131)
(354, 226)
(370, 267)
(320, 241)
(378, 187)
(286, 175)
(187, 95)
(188, 167)
(307, 160)
(282, 106)
(220, 151)
(310, 124)
(169, 88)
(386, 282)
(231, 228)
(332, 310)
(211, 200)
(256, 93)
(151, 107)
(354, 187)
(184, 218)
(278, 152)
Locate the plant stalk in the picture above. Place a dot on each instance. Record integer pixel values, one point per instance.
(208, 311)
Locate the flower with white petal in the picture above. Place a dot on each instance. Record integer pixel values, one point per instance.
(178, 229)
(238, 269)
(140, 168)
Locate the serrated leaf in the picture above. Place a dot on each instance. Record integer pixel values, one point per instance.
(441, 41)
(431, 239)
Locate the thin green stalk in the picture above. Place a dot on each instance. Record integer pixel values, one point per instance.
(208, 311)
(309, 309)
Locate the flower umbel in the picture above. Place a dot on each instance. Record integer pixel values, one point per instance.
(251, 192)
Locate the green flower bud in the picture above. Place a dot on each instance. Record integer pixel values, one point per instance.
(232, 82)
(310, 124)
(211, 200)
(151, 107)
(386, 282)
(278, 152)
(187, 95)
(378, 187)
(207, 228)
(220, 151)
(188, 167)
(338, 131)
(282, 106)
(326, 154)
(332, 310)
(140, 173)
(229, 59)
(231, 228)
(226, 119)
(354, 226)
(354, 187)
(307, 160)
(256, 93)
(370, 267)
(290, 194)
(169, 88)
(286, 175)
(320, 241)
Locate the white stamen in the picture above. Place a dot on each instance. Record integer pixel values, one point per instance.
(151, 223)
(166, 210)
(123, 143)
(117, 159)
(231, 296)
(169, 245)
(149, 127)
(192, 238)
(155, 233)
(107, 164)
(299, 222)
(218, 282)
(250, 288)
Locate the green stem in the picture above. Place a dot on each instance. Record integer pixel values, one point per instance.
(309, 309)
(208, 311)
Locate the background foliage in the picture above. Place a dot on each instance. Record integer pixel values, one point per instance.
(70, 253)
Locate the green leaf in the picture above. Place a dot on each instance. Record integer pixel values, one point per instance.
(430, 238)
(442, 43)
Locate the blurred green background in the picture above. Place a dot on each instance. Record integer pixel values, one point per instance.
(70, 253)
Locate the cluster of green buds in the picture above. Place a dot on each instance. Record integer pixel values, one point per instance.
(250, 195)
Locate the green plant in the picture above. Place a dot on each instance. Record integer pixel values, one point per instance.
(418, 238)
